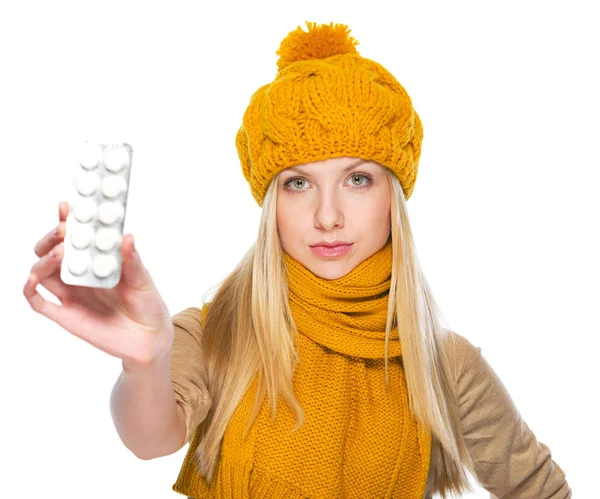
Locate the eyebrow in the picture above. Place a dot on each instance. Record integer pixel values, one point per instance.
(349, 167)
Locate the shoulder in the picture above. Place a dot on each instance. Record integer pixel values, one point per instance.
(474, 377)
(191, 319)
(481, 394)
(462, 353)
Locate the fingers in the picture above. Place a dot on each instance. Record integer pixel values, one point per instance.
(46, 272)
(127, 247)
(63, 211)
(56, 235)
(50, 240)
(37, 301)
(133, 274)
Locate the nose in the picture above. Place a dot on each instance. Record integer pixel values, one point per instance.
(329, 213)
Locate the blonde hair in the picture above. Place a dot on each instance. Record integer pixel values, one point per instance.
(249, 330)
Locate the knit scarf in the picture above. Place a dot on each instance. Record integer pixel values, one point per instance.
(348, 314)
(359, 437)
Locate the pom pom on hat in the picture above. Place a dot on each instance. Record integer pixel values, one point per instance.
(321, 41)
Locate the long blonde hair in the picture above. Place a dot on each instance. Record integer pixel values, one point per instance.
(249, 330)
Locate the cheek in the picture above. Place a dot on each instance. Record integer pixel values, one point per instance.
(288, 220)
(374, 211)
(379, 213)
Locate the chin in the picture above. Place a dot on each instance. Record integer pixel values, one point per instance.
(329, 269)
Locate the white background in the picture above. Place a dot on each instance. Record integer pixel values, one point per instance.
(504, 212)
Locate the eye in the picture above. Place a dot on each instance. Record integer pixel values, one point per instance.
(360, 177)
(364, 179)
(296, 184)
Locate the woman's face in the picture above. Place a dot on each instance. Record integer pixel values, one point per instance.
(339, 199)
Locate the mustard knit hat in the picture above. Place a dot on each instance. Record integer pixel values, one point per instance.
(327, 101)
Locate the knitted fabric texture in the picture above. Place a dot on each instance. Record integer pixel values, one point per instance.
(328, 101)
(359, 438)
(347, 315)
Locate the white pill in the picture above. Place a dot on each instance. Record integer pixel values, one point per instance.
(116, 158)
(87, 183)
(84, 210)
(107, 238)
(113, 186)
(104, 265)
(78, 263)
(81, 236)
(90, 155)
(110, 211)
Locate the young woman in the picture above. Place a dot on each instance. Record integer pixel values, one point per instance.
(322, 366)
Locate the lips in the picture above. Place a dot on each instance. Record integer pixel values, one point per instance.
(326, 250)
(331, 244)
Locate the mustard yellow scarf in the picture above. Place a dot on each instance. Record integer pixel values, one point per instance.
(347, 315)
(359, 438)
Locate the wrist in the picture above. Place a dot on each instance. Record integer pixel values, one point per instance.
(161, 362)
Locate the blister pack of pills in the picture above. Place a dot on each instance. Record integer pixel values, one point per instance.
(97, 206)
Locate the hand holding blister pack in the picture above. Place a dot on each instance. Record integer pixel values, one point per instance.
(94, 226)
(107, 296)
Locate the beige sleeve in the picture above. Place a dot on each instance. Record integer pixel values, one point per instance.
(188, 371)
(513, 464)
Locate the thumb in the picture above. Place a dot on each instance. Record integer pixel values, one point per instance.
(133, 273)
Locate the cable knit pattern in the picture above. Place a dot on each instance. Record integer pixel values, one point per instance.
(328, 101)
(359, 439)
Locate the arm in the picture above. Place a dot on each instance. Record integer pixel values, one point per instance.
(510, 462)
(189, 377)
(145, 412)
(156, 412)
